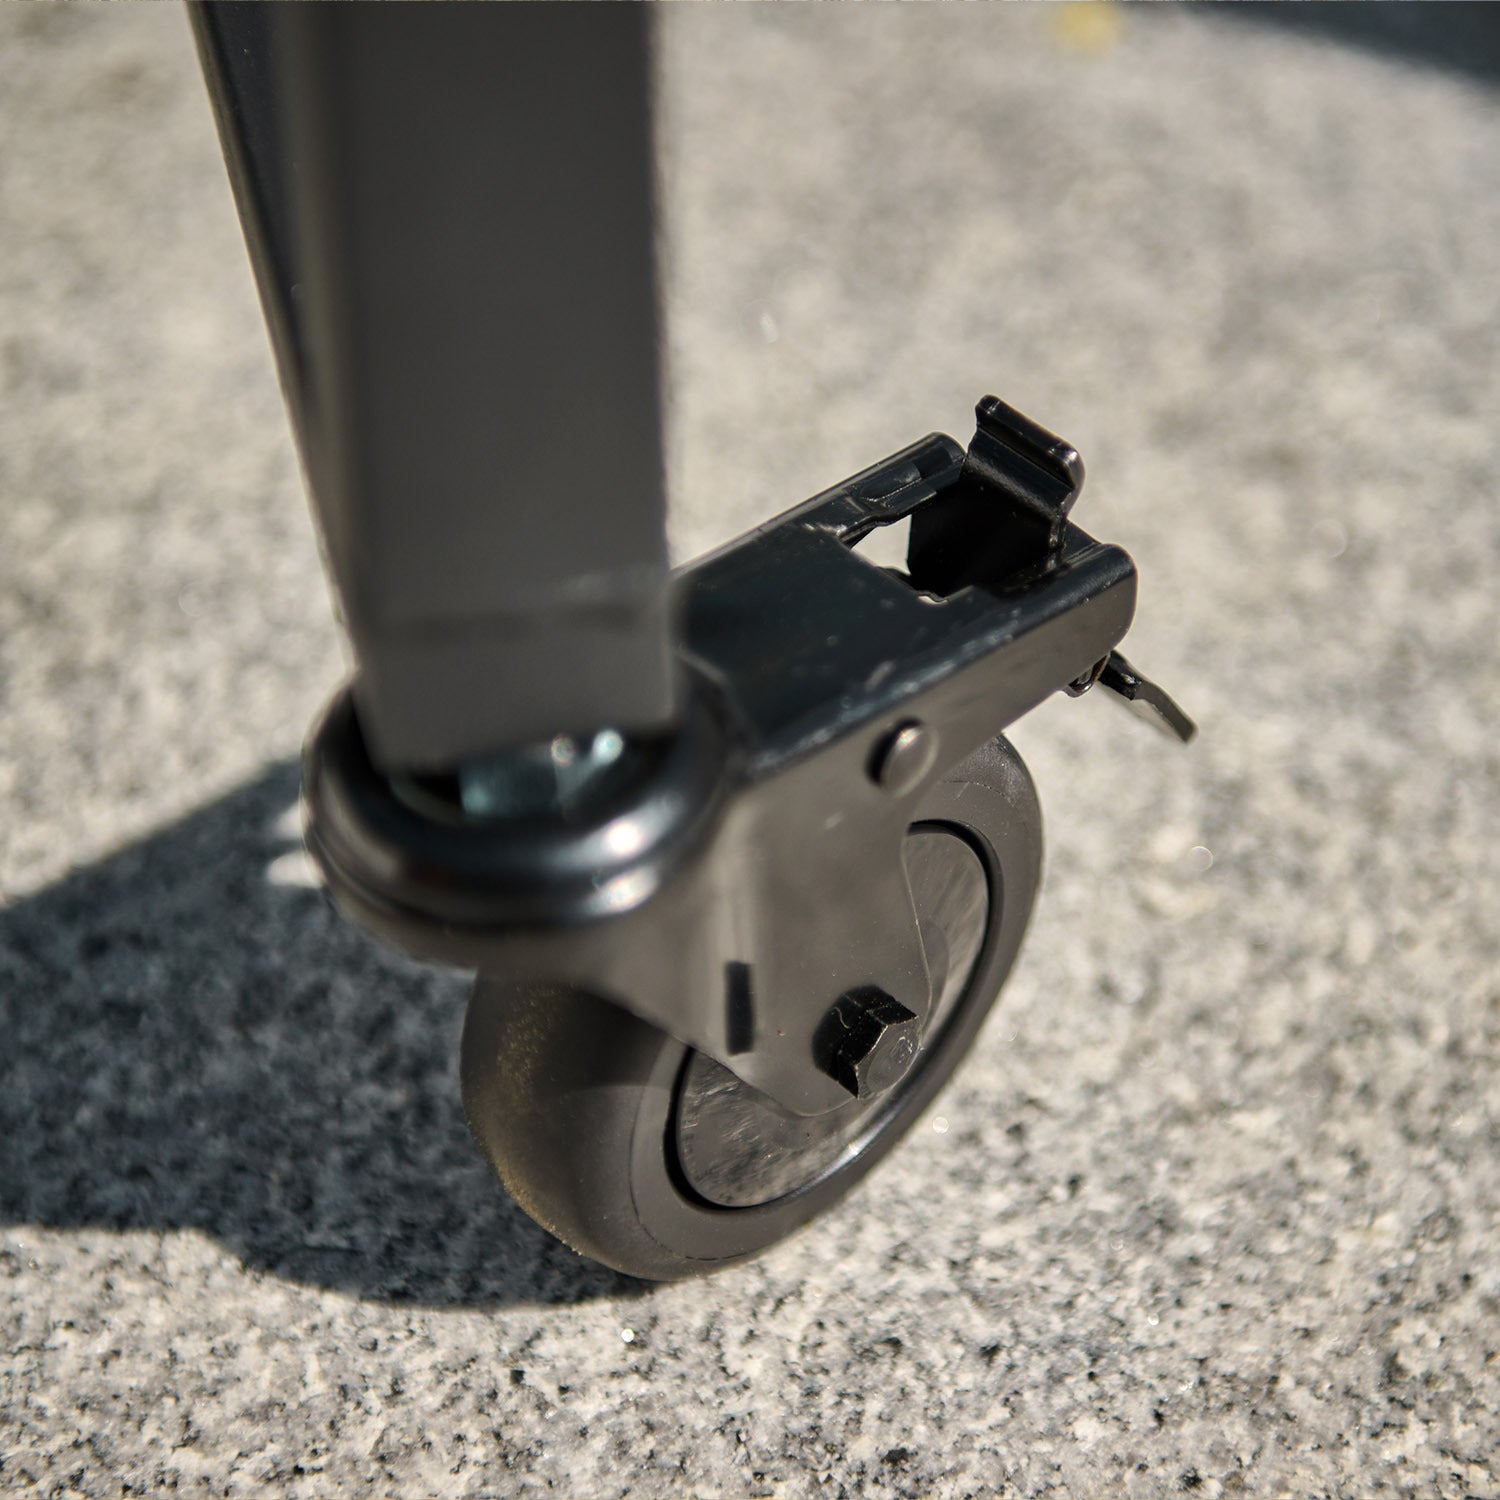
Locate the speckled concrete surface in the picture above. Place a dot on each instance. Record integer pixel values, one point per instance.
(1213, 1207)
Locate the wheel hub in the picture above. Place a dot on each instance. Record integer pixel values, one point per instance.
(737, 1148)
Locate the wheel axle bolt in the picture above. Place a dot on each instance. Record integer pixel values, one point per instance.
(867, 1041)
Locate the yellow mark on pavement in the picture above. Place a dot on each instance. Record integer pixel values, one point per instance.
(1088, 25)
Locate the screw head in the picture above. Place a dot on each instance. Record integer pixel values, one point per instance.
(867, 1041)
(905, 757)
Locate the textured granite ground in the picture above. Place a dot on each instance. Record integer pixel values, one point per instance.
(1214, 1204)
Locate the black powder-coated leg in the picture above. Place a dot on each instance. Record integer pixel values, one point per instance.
(450, 212)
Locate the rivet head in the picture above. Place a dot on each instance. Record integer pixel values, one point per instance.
(904, 758)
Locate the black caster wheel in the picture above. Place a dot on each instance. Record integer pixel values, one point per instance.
(657, 1161)
(724, 971)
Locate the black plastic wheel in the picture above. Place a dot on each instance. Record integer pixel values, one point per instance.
(653, 1159)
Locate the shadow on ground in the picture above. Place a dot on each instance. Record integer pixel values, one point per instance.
(189, 1043)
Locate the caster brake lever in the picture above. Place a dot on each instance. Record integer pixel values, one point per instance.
(1148, 702)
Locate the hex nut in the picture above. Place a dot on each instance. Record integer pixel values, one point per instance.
(868, 1041)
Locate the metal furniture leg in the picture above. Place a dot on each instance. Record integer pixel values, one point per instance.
(450, 212)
